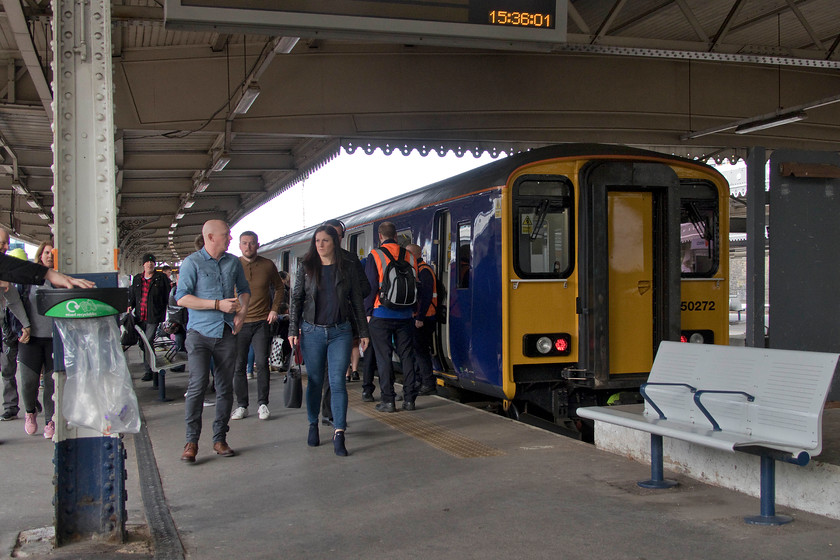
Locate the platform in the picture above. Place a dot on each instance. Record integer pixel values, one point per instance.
(446, 481)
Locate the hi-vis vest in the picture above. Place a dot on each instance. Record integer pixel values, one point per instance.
(382, 262)
(432, 311)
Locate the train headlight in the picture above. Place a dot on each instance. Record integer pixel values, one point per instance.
(544, 345)
(699, 336)
(547, 344)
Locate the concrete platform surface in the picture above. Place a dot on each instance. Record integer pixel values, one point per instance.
(446, 482)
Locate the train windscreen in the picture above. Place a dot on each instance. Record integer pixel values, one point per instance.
(699, 229)
(543, 227)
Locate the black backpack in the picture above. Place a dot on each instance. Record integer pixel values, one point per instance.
(128, 336)
(440, 309)
(398, 289)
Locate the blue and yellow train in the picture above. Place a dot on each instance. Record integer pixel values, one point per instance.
(565, 267)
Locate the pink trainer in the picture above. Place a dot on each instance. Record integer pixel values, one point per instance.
(49, 430)
(30, 423)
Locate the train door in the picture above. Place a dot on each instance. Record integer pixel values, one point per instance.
(629, 264)
(441, 258)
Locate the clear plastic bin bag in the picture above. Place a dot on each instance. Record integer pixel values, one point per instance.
(98, 393)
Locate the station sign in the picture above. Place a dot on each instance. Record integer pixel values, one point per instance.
(497, 24)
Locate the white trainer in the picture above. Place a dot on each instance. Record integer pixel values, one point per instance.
(240, 413)
(263, 412)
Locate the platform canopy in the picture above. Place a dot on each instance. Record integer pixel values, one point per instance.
(215, 119)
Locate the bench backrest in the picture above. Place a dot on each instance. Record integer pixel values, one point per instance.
(789, 386)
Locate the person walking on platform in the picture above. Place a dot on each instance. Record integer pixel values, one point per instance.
(212, 285)
(424, 322)
(364, 288)
(13, 317)
(326, 308)
(263, 310)
(148, 300)
(391, 321)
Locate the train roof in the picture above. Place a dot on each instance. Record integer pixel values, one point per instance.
(494, 173)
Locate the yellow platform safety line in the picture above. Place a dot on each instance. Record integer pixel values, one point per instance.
(433, 434)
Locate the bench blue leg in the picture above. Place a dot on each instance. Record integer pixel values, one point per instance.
(161, 377)
(657, 470)
(768, 497)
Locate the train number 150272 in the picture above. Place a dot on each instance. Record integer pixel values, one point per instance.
(697, 306)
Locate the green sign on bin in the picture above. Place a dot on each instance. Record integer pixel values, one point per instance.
(81, 308)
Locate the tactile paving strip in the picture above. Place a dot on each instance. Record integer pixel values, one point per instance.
(437, 436)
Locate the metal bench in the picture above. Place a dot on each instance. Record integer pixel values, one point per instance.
(162, 357)
(754, 400)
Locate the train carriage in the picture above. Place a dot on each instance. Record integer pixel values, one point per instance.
(565, 267)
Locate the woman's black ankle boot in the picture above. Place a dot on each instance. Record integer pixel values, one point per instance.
(314, 439)
(338, 444)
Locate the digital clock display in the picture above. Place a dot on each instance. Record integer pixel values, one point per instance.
(524, 19)
(507, 24)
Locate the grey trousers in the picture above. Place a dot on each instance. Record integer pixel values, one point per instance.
(8, 366)
(200, 349)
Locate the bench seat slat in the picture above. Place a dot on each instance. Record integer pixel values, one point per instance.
(628, 416)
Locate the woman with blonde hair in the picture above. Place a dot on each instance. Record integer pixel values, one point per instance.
(37, 354)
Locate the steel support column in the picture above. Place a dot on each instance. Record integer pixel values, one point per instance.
(756, 197)
(90, 467)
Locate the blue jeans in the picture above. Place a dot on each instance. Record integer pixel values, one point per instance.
(326, 350)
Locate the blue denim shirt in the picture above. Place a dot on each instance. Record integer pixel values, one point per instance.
(205, 277)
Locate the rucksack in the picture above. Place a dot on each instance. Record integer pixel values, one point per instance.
(440, 309)
(128, 336)
(398, 289)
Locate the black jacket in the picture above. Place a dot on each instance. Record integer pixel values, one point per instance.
(158, 297)
(302, 307)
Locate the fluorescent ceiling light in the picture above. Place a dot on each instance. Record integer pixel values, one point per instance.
(174, 225)
(779, 120)
(18, 188)
(221, 161)
(179, 215)
(201, 186)
(33, 203)
(248, 97)
(189, 203)
(43, 216)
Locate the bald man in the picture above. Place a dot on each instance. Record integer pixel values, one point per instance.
(213, 286)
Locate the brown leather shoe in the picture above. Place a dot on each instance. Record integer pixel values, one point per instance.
(190, 451)
(222, 448)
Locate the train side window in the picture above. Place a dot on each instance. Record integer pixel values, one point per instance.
(357, 244)
(464, 254)
(284, 261)
(699, 229)
(404, 237)
(542, 224)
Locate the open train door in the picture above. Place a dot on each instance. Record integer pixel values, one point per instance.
(441, 259)
(629, 268)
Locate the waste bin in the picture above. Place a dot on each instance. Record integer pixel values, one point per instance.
(98, 398)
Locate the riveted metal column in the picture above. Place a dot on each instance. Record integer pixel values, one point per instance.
(90, 468)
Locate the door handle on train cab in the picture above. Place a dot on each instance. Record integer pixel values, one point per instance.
(644, 286)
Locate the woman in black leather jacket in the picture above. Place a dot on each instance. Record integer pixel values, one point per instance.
(326, 314)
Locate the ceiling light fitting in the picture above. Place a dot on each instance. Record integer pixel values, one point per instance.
(778, 120)
(220, 162)
(189, 203)
(32, 202)
(19, 188)
(174, 225)
(43, 216)
(248, 97)
(202, 185)
(179, 215)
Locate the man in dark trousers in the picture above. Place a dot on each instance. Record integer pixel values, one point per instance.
(424, 322)
(148, 299)
(386, 324)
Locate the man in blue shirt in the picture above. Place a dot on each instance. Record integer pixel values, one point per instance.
(212, 285)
